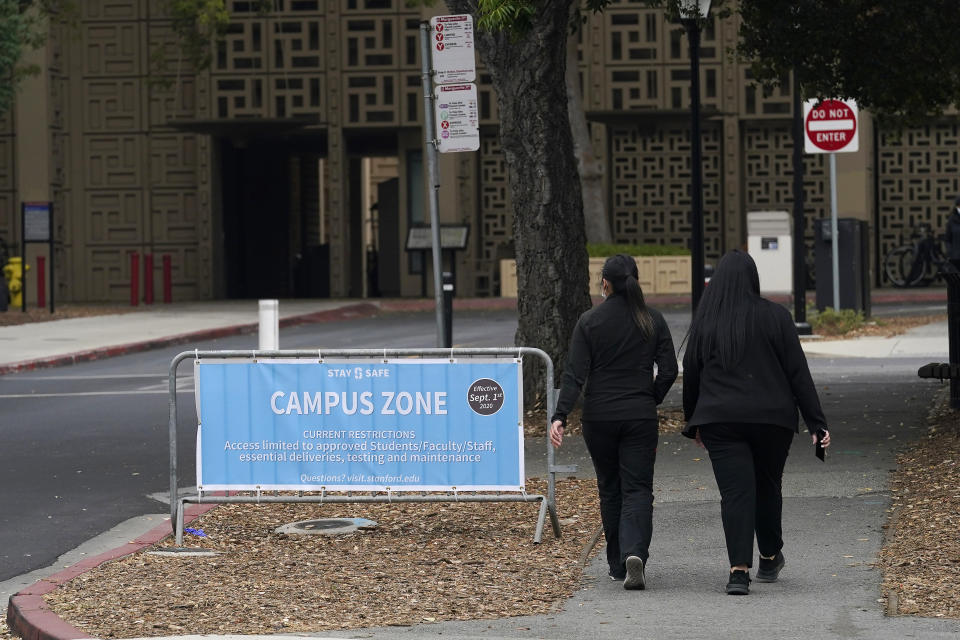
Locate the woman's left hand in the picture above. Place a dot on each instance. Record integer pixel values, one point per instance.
(556, 433)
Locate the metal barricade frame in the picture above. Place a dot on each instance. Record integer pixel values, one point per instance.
(547, 502)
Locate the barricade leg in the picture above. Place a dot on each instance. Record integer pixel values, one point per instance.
(541, 519)
(554, 520)
(179, 529)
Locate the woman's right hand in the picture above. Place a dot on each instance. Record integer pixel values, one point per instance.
(556, 433)
(696, 437)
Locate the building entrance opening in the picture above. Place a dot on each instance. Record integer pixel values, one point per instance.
(273, 221)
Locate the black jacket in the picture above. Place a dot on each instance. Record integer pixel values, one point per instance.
(766, 387)
(609, 355)
(952, 235)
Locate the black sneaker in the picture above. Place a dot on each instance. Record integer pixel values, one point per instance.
(636, 579)
(617, 577)
(769, 570)
(739, 584)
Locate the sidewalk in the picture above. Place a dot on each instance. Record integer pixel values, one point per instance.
(833, 514)
(927, 341)
(62, 342)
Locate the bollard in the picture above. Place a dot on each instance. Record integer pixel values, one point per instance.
(167, 280)
(148, 278)
(134, 278)
(269, 325)
(41, 282)
(447, 309)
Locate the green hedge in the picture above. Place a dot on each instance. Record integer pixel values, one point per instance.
(636, 250)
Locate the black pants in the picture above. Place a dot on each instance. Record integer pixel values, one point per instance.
(623, 454)
(748, 461)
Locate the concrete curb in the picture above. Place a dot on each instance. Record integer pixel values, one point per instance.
(360, 310)
(27, 612)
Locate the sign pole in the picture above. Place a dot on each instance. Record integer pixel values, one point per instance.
(799, 243)
(429, 126)
(53, 279)
(831, 128)
(834, 235)
(23, 260)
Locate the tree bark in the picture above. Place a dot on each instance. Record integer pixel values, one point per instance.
(591, 170)
(528, 75)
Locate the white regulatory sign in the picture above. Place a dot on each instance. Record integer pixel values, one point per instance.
(453, 55)
(457, 116)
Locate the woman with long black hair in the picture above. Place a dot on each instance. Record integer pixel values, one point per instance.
(612, 353)
(744, 377)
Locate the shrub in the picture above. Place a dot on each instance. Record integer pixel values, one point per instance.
(834, 323)
(636, 250)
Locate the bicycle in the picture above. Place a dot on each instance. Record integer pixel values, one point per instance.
(918, 263)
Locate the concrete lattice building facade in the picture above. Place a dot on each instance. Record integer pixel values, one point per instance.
(294, 165)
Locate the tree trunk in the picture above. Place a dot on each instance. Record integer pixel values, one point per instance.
(548, 230)
(591, 170)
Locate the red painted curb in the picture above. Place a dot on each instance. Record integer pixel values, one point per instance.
(360, 310)
(28, 614)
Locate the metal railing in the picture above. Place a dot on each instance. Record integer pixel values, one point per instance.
(547, 503)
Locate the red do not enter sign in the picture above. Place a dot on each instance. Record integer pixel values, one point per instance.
(830, 126)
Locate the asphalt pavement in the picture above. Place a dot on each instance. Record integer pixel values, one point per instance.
(833, 511)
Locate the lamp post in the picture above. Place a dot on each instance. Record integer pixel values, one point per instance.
(692, 15)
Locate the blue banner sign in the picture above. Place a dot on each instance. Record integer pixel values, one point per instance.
(398, 425)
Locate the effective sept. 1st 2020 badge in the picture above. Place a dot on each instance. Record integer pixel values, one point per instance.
(485, 396)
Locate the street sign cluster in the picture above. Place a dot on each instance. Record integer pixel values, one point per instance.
(455, 104)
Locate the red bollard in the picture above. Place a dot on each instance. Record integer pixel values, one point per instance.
(41, 282)
(148, 278)
(134, 278)
(167, 277)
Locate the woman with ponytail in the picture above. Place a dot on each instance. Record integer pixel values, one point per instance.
(744, 377)
(611, 357)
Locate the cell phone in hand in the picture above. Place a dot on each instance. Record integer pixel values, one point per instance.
(818, 448)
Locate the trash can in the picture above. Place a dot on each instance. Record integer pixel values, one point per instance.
(853, 256)
(770, 244)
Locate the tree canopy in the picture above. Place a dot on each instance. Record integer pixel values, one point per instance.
(894, 57)
(23, 27)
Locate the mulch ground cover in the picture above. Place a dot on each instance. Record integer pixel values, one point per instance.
(921, 554)
(422, 563)
(885, 327)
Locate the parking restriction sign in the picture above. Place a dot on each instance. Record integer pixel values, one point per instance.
(453, 49)
(457, 117)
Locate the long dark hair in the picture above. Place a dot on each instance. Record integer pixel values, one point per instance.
(727, 311)
(622, 274)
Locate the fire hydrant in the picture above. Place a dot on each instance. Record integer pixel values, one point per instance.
(13, 274)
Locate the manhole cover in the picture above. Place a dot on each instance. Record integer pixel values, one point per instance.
(327, 526)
